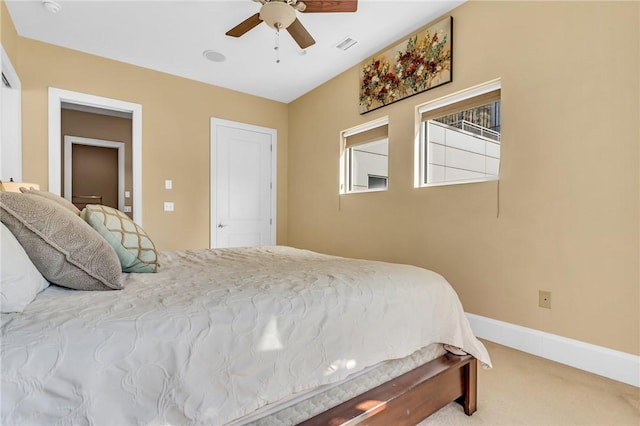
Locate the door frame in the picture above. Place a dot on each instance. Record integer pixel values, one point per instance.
(12, 160)
(56, 98)
(218, 122)
(69, 141)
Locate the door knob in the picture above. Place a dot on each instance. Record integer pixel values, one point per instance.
(222, 226)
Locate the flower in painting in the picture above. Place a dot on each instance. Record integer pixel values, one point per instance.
(423, 59)
(378, 83)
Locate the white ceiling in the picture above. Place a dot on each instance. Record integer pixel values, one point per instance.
(170, 36)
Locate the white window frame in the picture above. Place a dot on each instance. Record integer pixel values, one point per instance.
(420, 166)
(344, 158)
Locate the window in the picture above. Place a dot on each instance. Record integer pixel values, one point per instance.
(365, 158)
(460, 138)
(377, 182)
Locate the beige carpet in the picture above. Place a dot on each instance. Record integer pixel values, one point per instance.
(523, 389)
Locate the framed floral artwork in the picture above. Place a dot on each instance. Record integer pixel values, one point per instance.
(419, 63)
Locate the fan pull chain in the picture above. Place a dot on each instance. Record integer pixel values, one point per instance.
(277, 48)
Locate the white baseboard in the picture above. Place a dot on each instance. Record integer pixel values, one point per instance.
(610, 363)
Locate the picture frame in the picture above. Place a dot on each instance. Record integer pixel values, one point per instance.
(421, 62)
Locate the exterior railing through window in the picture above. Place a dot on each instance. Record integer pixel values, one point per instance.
(476, 129)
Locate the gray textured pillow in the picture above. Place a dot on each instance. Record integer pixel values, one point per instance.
(53, 197)
(64, 248)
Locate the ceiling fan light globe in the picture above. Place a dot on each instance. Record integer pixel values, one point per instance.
(277, 15)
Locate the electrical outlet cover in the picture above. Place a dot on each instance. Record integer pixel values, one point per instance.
(544, 299)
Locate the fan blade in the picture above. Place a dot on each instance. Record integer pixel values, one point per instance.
(300, 34)
(244, 26)
(322, 6)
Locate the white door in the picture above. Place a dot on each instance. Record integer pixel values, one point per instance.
(243, 196)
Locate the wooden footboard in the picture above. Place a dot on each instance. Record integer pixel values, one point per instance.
(410, 398)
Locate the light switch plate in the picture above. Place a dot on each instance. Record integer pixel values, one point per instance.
(168, 184)
(127, 209)
(168, 206)
(127, 194)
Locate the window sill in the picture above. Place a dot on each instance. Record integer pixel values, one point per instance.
(366, 191)
(460, 182)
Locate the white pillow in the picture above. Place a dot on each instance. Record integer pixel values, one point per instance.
(20, 281)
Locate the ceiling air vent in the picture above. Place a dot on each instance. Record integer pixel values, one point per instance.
(346, 44)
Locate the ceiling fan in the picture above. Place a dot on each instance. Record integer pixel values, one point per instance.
(281, 14)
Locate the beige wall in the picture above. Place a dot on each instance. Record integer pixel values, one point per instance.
(176, 116)
(8, 33)
(569, 188)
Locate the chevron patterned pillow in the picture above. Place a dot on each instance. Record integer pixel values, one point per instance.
(134, 248)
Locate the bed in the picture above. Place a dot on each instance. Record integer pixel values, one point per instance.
(240, 336)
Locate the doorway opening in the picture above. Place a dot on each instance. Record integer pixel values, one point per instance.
(94, 173)
(60, 99)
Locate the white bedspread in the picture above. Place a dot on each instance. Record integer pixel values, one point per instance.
(217, 334)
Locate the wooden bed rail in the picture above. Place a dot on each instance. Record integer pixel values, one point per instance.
(411, 397)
